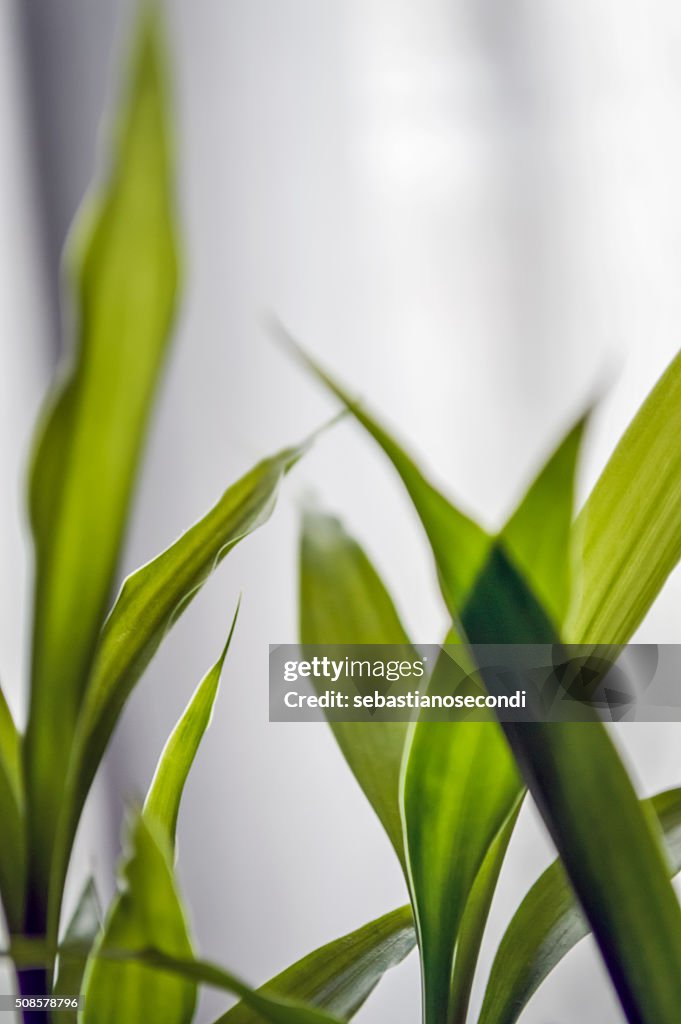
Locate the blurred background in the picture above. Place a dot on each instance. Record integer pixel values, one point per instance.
(471, 211)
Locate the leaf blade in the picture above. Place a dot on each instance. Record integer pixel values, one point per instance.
(76, 945)
(638, 928)
(149, 603)
(341, 975)
(459, 783)
(162, 804)
(89, 447)
(13, 845)
(549, 923)
(458, 543)
(147, 912)
(628, 535)
(343, 601)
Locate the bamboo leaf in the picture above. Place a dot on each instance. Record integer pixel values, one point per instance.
(12, 847)
(271, 1008)
(461, 786)
(147, 912)
(124, 274)
(341, 975)
(460, 782)
(628, 535)
(549, 922)
(600, 831)
(458, 543)
(343, 601)
(474, 919)
(537, 536)
(150, 602)
(75, 947)
(165, 793)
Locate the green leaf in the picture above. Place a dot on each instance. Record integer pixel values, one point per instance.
(75, 947)
(12, 847)
(124, 274)
(341, 975)
(590, 808)
(343, 601)
(459, 545)
(147, 912)
(549, 922)
(165, 793)
(461, 787)
(274, 1009)
(588, 803)
(474, 920)
(459, 784)
(150, 602)
(537, 536)
(628, 535)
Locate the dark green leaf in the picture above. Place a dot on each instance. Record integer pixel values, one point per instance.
(549, 922)
(124, 271)
(341, 975)
(12, 845)
(474, 920)
(147, 912)
(163, 799)
(628, 535)
(588, 803)
(343, 601)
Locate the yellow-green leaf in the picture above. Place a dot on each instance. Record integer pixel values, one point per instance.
(162, 804)
(124, 274)
(12, 844)
(343, 601)
(628, 535)
(146, 913)
(458, 543)
(150, 602)
(341, 975)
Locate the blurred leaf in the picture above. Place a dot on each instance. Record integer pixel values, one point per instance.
(343, 601)
(163, 799)
(590, 808)
(147, 912)
(12, 846)
(537, 536)
(150, 602)
(75, 947)
(461, 787)
(274, 1009)
(474, 919)
(341, 975)
(459, 545)
(549, 922)
(124, 271)
(628, 535)
(460, 782)
(584, 794)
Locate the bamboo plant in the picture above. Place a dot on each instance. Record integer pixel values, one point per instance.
(448, 794)
(450, 829)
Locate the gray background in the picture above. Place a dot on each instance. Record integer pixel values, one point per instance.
(472, 212)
